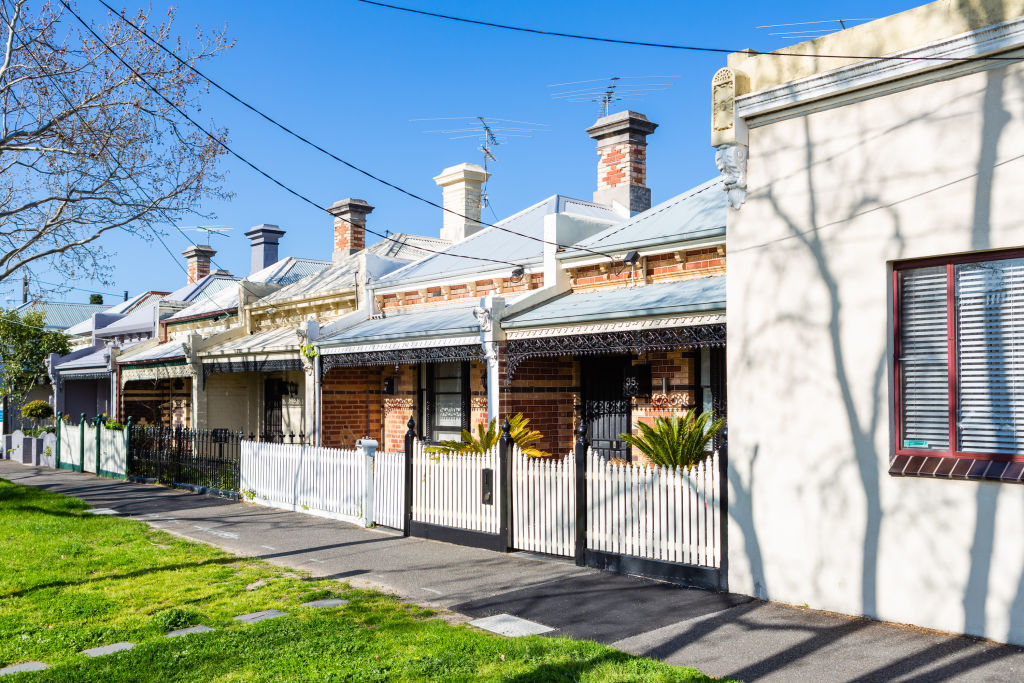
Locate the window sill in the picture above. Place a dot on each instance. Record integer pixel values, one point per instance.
(968, 469)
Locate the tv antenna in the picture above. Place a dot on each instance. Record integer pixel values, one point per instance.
(490, 132)
(605, 92)
(210, 230)
(810, 30)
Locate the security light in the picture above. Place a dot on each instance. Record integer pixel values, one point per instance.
(517, 273)
(631, 257)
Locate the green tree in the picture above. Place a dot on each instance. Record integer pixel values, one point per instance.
(37, 411)
(96, 298)
(24, 347)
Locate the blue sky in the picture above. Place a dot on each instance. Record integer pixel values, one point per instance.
(352, 76)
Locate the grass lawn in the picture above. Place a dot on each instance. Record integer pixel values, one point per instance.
(70, 581)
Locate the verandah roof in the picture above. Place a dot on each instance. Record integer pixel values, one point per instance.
(449, 321)
(700, 295)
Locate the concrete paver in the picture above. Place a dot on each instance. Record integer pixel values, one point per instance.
(107, 649)
(187, 631)
(720, 634)
(329, 602)
(262, 615)
(23, 667)
(508, 625)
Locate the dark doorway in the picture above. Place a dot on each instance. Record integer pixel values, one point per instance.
(606, 408)
(274, 391)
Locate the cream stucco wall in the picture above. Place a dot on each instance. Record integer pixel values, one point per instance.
(834, 198)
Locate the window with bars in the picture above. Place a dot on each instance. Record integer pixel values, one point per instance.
(444, 400)
(960, 358)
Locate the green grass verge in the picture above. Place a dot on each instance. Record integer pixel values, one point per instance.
(70, 580)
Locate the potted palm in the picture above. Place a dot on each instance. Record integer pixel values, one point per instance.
(678, 441)
(485, 439)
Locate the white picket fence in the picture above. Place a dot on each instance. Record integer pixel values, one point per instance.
(660, 513)
(88, 449)
(389, 489)
(70, 446)
(113, 450)
(544, 504)
(327, 482)
(448, 490)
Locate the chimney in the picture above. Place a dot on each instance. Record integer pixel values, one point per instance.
(264, 245)
(349, 227)
(460, 188)
(622, 167)
(198, 257)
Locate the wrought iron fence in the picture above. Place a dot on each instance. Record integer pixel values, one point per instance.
(208, 458)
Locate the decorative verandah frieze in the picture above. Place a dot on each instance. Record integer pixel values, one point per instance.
(402, 353)
(609, 338)
(155, 372)
(251, 365)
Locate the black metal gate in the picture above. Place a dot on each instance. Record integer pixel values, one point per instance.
(607, 411)
(197, 458)
(274, 391)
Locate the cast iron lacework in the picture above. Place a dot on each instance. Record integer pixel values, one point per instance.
(436, 354)
(84, 375)
(625, 341)
(250, 366)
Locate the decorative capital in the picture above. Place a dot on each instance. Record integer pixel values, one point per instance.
(483, 318)
(731, 160)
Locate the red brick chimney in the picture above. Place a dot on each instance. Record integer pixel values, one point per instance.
(349, 226)
(622, 165)
(198, 258)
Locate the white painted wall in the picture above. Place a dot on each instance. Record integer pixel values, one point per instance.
(834, 198)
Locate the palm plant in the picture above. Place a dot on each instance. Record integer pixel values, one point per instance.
(485, 439)
(676, 442)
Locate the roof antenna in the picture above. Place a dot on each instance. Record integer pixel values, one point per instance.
(607, 91)
(811, 33)
(490, 132)
(210, 230)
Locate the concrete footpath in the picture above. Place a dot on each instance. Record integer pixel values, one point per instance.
(720, 634)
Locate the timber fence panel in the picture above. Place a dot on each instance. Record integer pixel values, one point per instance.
(70, 447)
(113, 452)
(668, 514)
(89, 449)
(326, 482)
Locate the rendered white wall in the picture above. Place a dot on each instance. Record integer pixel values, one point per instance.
(834, 198)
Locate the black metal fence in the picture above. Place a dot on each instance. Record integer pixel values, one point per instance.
(206, 458)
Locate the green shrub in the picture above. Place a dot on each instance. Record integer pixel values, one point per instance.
(678, 442)
(485, 440)
(37, 410)
(113, 424)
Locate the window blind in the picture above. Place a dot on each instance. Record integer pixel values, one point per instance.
(990, 356)
(924, 358)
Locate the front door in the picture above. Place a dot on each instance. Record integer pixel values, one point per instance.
(606, 408)
(274, 391)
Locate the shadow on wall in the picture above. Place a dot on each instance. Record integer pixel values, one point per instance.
(806, 230)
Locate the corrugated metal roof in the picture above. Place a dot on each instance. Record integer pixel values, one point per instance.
(438, 322)
(687, 296)
(407, 247)
(95, 358)
(123, 307)
(139, 320)
(208, 285)
(698, 212)
(497, 244)
(60, 315)
(168, 351)
(339, 277)
(271, 340)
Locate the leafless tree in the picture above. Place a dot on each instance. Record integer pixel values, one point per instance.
(85, 146)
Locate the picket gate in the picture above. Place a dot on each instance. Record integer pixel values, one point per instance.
(669, 514)
(389, 489)
(544, 504)
(326, 482)
(448, 490)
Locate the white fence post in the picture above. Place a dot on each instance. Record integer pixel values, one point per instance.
(369, 449)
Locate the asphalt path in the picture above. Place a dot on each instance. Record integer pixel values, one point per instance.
(721, 634)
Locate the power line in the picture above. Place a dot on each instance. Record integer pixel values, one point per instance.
(670, 46)
(223, 144)
(317, 147)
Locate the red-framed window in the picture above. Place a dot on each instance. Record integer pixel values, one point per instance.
(959, 347)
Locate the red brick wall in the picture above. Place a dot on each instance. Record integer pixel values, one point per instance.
(439, 295)
(624, 163)
(668, 267)
(352, 400)
(545, 390)
(349, 235)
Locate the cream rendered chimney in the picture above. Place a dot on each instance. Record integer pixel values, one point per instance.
(460, 188)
